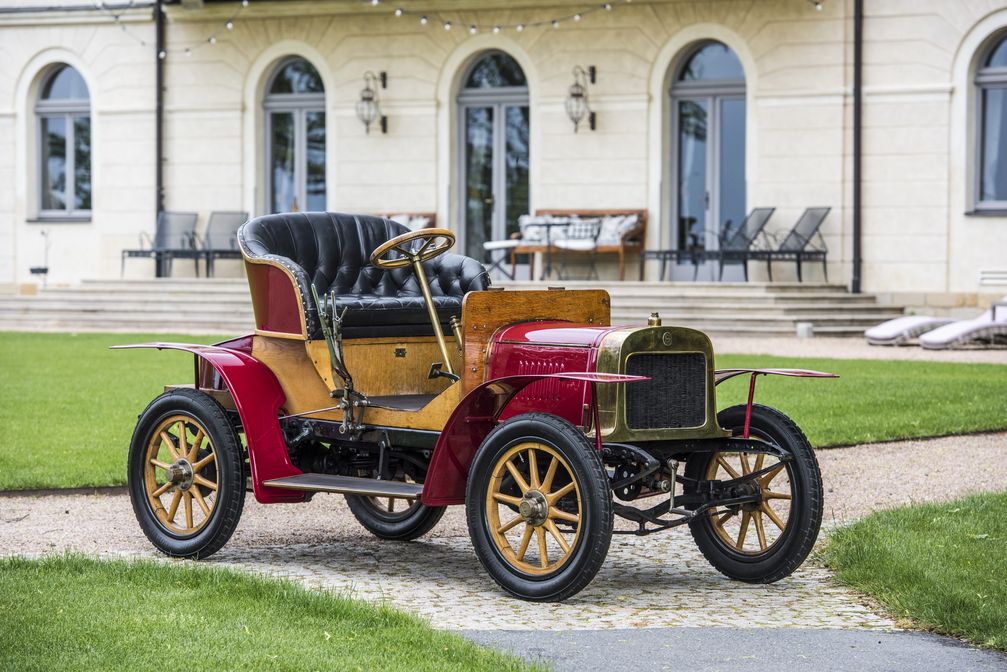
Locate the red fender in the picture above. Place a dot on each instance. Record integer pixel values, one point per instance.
(258, 397)
(726, 374)
(471, 421)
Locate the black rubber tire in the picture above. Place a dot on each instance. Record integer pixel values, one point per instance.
(393, 527)
(230, 474)
(596, 500)
(794, 545)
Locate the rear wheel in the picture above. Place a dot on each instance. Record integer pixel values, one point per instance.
(539, 507)
(763, 541)
(394, 518)
(186, 474)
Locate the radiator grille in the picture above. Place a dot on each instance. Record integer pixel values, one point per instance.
(675, 395)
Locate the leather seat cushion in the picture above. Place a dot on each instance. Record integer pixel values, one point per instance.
(332, 252)
(377, 310)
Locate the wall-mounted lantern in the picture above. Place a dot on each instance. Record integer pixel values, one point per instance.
(369, 105)
(577, 104)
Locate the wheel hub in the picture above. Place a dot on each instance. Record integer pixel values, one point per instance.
(534, 508)
(180, 474)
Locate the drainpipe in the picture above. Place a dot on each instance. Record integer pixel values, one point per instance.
(159, 48)
(858, 77)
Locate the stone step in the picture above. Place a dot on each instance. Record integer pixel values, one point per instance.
(222, 306)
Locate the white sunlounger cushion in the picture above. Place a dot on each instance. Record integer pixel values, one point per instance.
(902, 329)
(505, 244)
(963, 331)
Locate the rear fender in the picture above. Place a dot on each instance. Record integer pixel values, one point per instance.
(258, 398)
(473, 418)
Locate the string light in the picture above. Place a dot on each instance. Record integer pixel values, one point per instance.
(497, 28)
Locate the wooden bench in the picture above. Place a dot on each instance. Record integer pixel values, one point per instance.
(631, 240)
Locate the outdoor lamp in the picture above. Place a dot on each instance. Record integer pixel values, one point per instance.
(369, 107)
(577, 105)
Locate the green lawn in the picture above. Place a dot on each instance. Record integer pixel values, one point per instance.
(68, 404)
(941, 566)
(877, 400)
(74, 613)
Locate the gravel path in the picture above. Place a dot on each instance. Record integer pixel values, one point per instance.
(850, 348)
(655, 581)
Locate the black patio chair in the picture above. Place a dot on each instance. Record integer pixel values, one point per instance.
(797, 244)
(174, 237)
(736, 244)
(221, 238)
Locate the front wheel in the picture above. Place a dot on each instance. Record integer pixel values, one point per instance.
(766, 540)
(539, 507)
(186, 474)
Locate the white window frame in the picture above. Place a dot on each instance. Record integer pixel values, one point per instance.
(299, 105)
(986, 78)
(67, 109)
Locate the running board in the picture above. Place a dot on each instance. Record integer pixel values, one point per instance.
(348, 485)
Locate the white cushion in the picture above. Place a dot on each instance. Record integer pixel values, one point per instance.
(611, 228)
(578, 244)
(411, 222)
(501, 244)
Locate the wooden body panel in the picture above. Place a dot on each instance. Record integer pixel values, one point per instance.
(388, 366)
(306, 391)
(483, 313)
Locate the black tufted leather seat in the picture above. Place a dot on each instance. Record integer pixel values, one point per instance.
(332, 251)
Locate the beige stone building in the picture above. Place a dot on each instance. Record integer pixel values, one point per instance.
(703, 110)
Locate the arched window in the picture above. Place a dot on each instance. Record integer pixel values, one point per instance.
(991, 125)
(63, 113)
(295, 138)
(708, 141)
(495, 156)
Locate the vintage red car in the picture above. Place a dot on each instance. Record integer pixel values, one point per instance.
(386, 369)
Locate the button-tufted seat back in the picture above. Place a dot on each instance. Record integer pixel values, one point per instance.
(332, 251)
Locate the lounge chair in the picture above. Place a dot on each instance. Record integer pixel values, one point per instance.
(736, 245)
(221, 238)
(990, 327)
(796, 245)
(174, 237)
(733, 245)
(903, 329)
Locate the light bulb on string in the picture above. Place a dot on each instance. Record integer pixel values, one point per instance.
(555, 23)
(519, 27)
(447, 25)
(398, 11)
(229, 25)
(424, 20)
(577, 17)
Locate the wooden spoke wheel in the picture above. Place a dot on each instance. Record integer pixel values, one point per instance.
(186, 474)
(539, 507)
(534, 508)
(394, 518)
(767, 539)
(752, 528)
(181, 470)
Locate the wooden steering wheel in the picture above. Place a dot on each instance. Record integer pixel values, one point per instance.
(435, 242)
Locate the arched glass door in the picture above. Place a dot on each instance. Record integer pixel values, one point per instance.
(295, 138)
(708, 131)
(494, 123)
